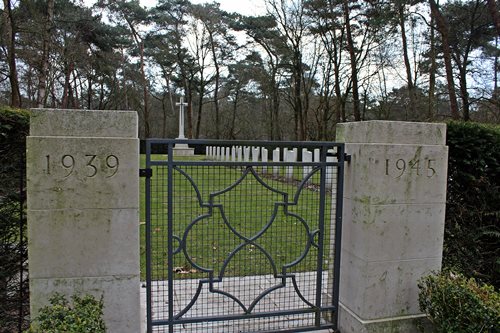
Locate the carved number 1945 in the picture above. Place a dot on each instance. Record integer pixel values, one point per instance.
(399, 167)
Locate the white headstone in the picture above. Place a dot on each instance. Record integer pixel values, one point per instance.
(222, 153)
(255, 154)
(276, 158)
(246, 154)
(306, 157)
(291, 157)
(233, 154)
(317, 155)
(264, 159)
(239, 153)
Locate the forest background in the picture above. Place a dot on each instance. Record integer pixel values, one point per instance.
(290, 74)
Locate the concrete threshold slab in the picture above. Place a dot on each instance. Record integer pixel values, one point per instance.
(246, 289)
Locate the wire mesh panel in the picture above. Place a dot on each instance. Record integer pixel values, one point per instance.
(244, 238)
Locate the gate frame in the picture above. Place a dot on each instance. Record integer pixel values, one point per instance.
(342, 157)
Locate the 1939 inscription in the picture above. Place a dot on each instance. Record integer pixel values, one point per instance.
(88, 165)
(398, 168)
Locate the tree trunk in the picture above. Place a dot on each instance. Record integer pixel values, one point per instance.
(443, 29)
(409, 79)
(216, 88)
(47, 34)
(464, 94)
(200, 110)
(147, 130)
(10, 37)
(89, 94)
(101, 94)
(339, 113)
(431, 111)
(232, 133)
(68, 91)
(352, 55)
(494, 14)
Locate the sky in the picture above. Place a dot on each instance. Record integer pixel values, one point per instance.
(246, 7)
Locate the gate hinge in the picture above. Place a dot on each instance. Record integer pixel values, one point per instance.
(148, 173)
(347, 157)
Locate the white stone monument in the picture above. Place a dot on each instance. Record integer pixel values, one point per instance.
(307, 157)
(182, 149)
(246, 154)
(393, 224)
(276, 158)
(255, 154)
(83, 210)
(239, 153)
(233, 154)
(291, 156)
(264, 158)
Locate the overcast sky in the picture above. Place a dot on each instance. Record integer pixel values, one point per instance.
(246, 7)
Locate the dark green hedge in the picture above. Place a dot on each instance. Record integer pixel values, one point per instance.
(14, 295)
(472, 233)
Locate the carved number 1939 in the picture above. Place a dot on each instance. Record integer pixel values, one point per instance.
(399, 167)
(68, 163)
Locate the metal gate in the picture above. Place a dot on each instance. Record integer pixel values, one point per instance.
(243, 236)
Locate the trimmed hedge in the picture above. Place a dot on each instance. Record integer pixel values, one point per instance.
(456, 304)
(85, 315)
(472, 232)
(14, 294)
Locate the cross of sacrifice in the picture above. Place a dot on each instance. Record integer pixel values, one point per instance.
(181, 105)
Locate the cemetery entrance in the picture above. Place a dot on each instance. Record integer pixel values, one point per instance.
(242, 236)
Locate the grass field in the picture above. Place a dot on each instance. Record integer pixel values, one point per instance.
(236, 225)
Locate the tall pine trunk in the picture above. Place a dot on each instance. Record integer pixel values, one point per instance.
(409, 79)
(431, 110)
(352, 55)
(44, 70)
(10, 37)
(443, 29)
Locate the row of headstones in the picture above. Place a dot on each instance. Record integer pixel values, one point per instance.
(256, 154)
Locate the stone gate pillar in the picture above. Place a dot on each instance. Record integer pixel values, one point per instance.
(394, 207)
(83, 210)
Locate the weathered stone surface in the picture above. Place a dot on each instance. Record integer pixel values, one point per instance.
(381, 174)
(183, 150)
(83, 208)
(393, 221)
(402, 324)
(392, 132)
(381, 289)
(405, 231)
(75, 243)
(80, 123)
(64, 172)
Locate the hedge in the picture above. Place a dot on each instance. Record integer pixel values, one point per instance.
(472, 231)
(14, 294)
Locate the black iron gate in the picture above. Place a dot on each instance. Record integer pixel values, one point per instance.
(242, 237)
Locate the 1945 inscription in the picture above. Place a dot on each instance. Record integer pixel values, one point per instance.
(398, 168)
(88, 165)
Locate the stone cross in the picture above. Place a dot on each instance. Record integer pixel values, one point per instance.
(181, 105)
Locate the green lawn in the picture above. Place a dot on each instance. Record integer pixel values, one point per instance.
(248, 207)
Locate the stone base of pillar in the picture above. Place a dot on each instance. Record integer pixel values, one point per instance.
(182, 149)
(349, 322)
